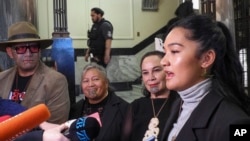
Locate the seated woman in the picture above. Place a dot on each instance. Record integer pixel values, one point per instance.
(147, 116)
(100, 98)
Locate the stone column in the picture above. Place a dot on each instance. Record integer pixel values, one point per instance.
(62, 48)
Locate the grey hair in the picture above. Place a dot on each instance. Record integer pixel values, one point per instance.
(93, 65)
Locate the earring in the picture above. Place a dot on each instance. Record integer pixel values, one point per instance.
(205, 74)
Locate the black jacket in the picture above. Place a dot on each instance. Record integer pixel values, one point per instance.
(211, 120)
(112, 118)
(140, 114)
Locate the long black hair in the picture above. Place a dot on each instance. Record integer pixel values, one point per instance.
(227, 70)
(145, 92)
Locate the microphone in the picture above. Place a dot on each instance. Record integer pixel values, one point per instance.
(23, 122)
(84, 128)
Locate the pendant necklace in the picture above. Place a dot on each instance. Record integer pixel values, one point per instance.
(153, 129)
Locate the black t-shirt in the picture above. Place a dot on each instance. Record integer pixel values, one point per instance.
(89, 109)
(19, 87)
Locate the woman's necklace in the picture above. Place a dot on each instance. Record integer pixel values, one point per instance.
(153, 129)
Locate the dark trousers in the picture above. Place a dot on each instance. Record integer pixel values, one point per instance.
(100, 61)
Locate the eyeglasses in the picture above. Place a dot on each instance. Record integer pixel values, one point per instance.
(22, 48)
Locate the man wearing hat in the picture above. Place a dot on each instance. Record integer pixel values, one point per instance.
(30, 81)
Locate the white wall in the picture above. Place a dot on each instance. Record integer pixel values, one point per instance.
(126, 15)
(128, 19)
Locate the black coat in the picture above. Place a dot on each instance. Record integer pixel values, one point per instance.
(140, 113)
(211, 120)
(112, 118)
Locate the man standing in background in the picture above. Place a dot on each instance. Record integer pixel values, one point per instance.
(100, 38)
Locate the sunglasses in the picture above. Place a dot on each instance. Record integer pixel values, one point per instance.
(22, 48)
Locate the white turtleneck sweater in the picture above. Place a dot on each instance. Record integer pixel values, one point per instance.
(191, 97)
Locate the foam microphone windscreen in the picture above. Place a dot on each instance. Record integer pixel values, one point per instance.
(83, 129)
(23, 122)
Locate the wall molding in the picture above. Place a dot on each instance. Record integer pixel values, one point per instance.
(118, 51)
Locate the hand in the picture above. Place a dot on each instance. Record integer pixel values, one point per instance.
(54, 134)
(46, 125)
(106, 59)
(86, 57)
